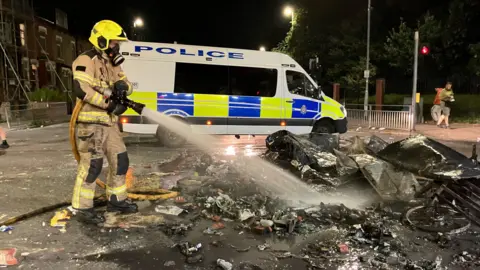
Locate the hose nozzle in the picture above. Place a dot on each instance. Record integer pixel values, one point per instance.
(137, 107)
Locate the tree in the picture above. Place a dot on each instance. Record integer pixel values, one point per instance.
(474, 63)
(400, 42)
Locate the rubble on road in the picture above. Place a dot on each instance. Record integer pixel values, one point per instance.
(429, 158)
(215, 188)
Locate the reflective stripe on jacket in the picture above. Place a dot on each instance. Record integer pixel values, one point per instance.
(94, 76)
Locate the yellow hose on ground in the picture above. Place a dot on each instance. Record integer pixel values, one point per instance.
(159, 194)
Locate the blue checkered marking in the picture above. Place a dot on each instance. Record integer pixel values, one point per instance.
(312, 107)
(244, 106)
(175, 101)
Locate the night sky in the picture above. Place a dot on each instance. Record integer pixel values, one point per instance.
(244, 24)
(229, 24)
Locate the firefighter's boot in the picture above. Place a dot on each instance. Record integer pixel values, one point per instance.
(124, 207)
(4, 145)
(89, 216)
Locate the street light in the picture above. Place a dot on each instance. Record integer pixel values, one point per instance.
(366, 73)
(138, 22)
(262, 48)
(288, 12)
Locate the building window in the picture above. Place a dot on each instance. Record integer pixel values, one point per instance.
(59, 51)
(201, 79)
(22, 33)
(250, 81)
(26, 68)
(6, 32)
(50, 66)
(43, 44)
(67, 79)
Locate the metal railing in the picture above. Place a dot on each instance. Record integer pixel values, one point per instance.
(384, 116)
(34, 115)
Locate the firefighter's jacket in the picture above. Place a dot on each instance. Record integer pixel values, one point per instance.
(93, 79)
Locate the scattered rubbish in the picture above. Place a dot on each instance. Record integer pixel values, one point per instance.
(6, 228)
(59, 220)
(3, 216)
(177, 229)
(169, 210)
(169, 263)
(137, 220)
(195, 259)
(218, 226)
(266, 223)
(246, 214)
(187, 249)
(224, 264)
(7, 257)
(241, 249)
(343, 248)
(263, 247)
(211, 231)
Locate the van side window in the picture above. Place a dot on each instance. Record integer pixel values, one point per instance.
(299, 84)
(201, 79)
(250, 81)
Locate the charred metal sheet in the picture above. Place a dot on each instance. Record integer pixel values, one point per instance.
(389, 183)
(313, 161)
(429, 158)
(375, 144)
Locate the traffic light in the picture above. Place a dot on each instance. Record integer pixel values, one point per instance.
(425, 50)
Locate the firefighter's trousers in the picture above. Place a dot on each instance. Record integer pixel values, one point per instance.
(95, 142)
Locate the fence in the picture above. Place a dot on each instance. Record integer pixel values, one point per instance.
(35, 115)
(385, 116)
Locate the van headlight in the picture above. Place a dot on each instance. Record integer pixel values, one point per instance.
(344, 111)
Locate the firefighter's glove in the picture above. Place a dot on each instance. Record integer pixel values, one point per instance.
(112, 104)
(115, 107)
(120, 89)
(119, 109)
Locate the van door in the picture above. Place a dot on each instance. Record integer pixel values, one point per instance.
(201, 91)
(255, 105)
(300, 108)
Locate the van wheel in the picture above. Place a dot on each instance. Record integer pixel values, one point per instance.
(168, 138)
(324, 126)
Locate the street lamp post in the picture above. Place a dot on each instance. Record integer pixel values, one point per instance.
(288, 12)
(138, 23)
(367, 71)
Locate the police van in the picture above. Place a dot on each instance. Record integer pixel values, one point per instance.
(226, 91)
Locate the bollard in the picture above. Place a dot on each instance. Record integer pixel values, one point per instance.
(380, 91)
(336, 92)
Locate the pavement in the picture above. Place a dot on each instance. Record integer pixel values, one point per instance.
(456, 132)
(39, 169)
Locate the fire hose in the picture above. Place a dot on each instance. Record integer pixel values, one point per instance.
(153, 195)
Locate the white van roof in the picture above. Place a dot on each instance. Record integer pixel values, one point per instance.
(205, 54)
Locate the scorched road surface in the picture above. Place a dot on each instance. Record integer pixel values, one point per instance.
(39, 169)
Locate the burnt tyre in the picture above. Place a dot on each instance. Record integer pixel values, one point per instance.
(168, 138)
(324, 126)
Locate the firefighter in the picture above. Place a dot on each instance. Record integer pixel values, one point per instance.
(98, 81)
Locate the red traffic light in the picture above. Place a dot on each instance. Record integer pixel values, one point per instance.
(425, 50)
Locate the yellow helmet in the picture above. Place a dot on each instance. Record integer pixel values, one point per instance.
(104, 31)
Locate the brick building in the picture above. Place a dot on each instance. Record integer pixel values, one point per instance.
(34, 52)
